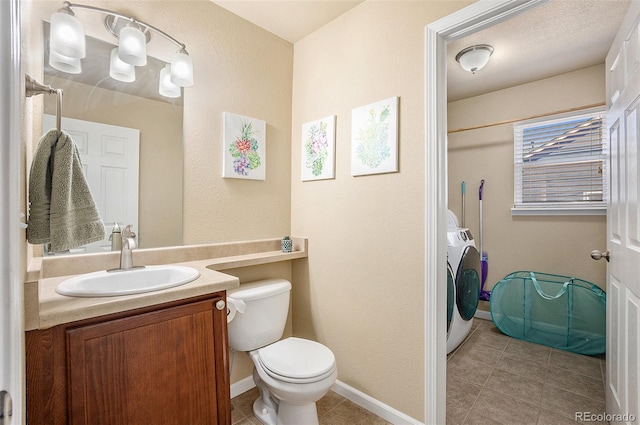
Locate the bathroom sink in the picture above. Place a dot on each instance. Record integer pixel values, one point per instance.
(127, 282)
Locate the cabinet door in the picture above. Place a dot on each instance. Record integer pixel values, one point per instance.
(153, 368)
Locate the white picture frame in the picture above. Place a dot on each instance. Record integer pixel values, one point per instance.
(244, 147)
(318, 150)
(374, 138)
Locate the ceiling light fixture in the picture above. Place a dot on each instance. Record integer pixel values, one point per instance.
(474, 58)
(67, 46)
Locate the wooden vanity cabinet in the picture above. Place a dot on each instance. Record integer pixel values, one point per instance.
(165, 364)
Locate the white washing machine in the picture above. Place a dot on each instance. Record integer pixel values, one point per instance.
(463, 282)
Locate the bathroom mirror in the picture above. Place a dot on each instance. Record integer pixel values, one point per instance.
(95, 98)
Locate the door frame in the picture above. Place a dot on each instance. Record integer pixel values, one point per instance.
(476, 17)
(11, 286)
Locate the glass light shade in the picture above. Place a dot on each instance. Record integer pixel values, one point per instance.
(166, 87)
(118, 70)
(67, 36)
(474, 58)
(132, 48)
(64, 63)
(182, 69)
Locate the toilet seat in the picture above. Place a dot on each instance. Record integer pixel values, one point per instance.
(297, 360)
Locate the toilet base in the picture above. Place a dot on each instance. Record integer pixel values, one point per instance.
(266, 415)
(271, 411)
(285, 414)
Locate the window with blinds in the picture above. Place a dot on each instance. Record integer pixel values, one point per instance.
(560, 164)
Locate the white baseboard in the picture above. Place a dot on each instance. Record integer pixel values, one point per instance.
(374, 406)
(242, 386)
(482, 314)
(363, 400)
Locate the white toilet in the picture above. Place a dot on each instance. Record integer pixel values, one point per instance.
(291, 374)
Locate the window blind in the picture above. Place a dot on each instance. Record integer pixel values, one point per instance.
(560, 163)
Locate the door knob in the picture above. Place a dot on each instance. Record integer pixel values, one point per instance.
(597, 255)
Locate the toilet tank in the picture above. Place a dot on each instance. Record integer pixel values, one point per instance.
(266, 306)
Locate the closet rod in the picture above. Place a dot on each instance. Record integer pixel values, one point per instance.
(33, 88)
(563, 111)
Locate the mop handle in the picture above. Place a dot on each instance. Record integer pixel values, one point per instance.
(480, 199)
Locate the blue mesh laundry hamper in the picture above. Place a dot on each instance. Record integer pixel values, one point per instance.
(558, 311)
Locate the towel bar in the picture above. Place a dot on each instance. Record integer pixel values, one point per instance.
(33, 87)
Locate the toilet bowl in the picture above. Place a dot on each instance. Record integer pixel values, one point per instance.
(291, 374)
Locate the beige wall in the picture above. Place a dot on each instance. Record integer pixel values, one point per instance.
(361, 291)
(551, 244)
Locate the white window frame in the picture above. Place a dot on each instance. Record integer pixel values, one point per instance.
(557, 208)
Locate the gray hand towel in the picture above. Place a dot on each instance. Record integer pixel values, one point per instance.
(62, 210)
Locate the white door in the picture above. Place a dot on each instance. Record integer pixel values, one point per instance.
(623, 223)
(110, 159)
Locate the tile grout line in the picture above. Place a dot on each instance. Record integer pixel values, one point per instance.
(485, 382)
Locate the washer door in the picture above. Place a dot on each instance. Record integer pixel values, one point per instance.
(468, 283)
(451, 297)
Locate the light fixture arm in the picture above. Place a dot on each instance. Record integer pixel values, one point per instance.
(129, 18)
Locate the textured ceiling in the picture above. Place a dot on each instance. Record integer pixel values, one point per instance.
(557, 37)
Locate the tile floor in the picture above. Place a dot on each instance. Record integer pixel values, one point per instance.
(333, 409)
(495, 379)
(491, 379)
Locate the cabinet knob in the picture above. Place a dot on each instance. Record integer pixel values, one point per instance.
(220, 305)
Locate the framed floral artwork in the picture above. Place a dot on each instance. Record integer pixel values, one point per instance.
(318, 149)
(374, 138)
(244, 155)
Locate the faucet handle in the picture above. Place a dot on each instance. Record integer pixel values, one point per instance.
(128, 232)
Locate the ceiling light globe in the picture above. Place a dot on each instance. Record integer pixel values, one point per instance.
(474, 58)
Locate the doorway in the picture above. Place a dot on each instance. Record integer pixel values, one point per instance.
(467, 21)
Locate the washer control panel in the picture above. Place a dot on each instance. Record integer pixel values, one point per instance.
(458, 236)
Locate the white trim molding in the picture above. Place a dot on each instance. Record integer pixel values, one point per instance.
(242, 386)
(363, 400)
(373, 405)
(483, 314)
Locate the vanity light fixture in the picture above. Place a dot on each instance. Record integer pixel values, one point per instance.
(166, 88)
(64, 63)
(120, 70)
(67, 47)
(67, 34)
(474, 58)
(132, 48)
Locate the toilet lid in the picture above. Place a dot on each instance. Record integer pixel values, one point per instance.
(297, 359)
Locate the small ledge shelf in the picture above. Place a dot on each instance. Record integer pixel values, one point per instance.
(225, 263)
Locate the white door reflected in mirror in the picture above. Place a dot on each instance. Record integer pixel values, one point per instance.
(110, 158)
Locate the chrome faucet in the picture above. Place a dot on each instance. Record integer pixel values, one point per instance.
(128, 244)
